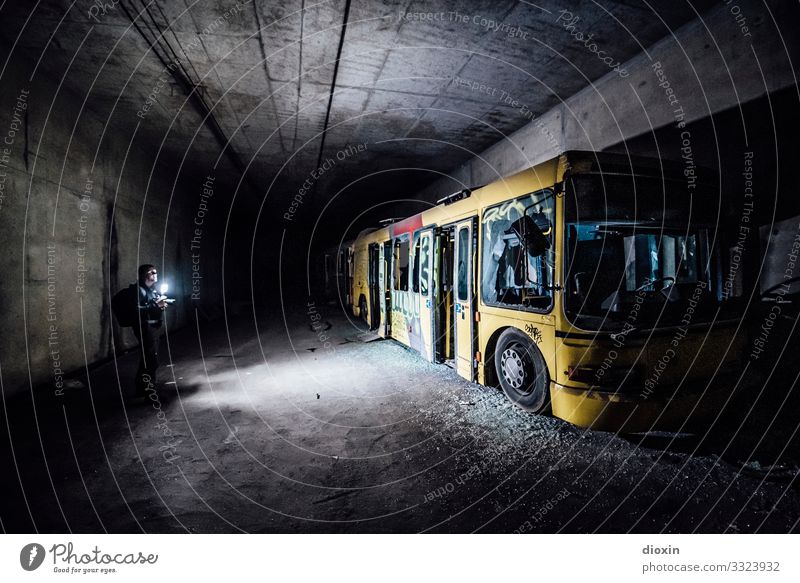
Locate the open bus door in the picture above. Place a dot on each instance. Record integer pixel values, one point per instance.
(464, 304)
(427, 300)
(385, 289)
(375, 297)
(442, 296)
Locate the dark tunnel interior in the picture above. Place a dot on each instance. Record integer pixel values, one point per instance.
(235, 144)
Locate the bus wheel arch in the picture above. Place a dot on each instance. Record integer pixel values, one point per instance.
(521, 371)
(491, 378)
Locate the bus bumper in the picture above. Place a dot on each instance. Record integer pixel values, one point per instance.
(668, 410)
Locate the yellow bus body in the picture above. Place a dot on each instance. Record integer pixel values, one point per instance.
(683, 392)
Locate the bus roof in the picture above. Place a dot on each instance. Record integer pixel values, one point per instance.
(543, 175)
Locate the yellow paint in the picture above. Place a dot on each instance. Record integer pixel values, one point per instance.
(571, 400)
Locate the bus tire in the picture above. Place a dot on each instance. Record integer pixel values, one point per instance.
(522, 371)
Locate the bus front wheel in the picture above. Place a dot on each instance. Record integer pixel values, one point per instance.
(522, 371)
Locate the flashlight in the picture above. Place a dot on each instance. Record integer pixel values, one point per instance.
(163, 291)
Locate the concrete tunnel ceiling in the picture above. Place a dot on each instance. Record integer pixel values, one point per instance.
(419, 92)
(624, 358)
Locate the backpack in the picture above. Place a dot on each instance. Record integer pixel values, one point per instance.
(125, 305)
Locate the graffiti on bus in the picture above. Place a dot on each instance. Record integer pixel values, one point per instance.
(405, 303)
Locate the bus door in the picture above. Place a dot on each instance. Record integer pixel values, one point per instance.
(444, 243)
(380, 291)
(350, 280)
(385, 284)
(342, 290)
(414, 328)
(464, 304)
(374, 291)
(427, 301)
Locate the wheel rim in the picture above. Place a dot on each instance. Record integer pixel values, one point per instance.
(514, 368)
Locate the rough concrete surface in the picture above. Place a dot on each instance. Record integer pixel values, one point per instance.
(414, 77)
(276, 431)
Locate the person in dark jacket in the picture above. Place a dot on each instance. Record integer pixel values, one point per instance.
(151, 318)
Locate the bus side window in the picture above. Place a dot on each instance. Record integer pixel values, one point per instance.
(424, 264)
(517, 252)
(416, 265)
(463, 258)
(401, 257)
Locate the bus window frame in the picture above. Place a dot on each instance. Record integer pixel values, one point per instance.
(549, 192)
(467, 275)
(399, 240)
(413, 260)
(431, 230)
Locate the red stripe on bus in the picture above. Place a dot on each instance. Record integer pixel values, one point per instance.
(407, 225)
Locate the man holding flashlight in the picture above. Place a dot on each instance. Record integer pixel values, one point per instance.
(151, 316)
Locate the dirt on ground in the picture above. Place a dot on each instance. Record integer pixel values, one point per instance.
(284, 426)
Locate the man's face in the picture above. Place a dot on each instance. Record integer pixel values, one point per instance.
(152, 277)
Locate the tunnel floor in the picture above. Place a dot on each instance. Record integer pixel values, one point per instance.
(269, 429)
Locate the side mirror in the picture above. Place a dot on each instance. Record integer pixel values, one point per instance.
(533, 232)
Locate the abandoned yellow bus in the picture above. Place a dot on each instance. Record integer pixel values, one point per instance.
(590, 286)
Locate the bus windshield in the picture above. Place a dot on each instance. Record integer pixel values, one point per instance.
(639, 255)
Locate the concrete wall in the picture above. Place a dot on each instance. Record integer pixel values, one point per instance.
(711, 64)
(72, 234)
